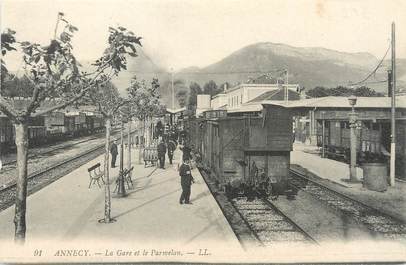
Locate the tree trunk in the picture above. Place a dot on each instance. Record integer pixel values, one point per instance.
(107, 199)
(129, 147)
(21, 140)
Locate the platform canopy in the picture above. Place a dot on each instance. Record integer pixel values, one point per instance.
(174, 111)
(340, 102)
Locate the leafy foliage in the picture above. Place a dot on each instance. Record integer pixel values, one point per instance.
(144, 99)
(107, 98)
(121, 42)
(211, 88)
(341, 91)
(7, 42)
(195, 90)
(181, 95)
(54, 71)
(13, 86)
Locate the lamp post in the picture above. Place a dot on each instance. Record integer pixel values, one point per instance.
(353, 139)
(129, 143)
(121, 188)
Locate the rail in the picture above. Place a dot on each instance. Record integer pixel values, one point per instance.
(7, 192)
(377, 221)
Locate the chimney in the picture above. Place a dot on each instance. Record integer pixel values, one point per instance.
(302, 93)
(225, 87)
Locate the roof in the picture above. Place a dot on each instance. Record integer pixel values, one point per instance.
(173, 111)
(223, 107)
(340, 102)
(253, 107)
(276, 94)
(21, 103)
(324, 102)
(218, 95)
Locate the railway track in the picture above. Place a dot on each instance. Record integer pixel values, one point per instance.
(269, 225)
(380, 224)
(13, 161)
(258, 222)
(42, 178)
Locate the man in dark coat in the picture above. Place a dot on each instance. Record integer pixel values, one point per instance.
(161, 154)
(186, 180)
(171, 150)
(186, 152)
(114, 153)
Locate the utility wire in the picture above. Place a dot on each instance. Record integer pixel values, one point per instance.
(211, 73)
(373, 71)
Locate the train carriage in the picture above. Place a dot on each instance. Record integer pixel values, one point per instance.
(50, 127)
(371, 145)
(54, 123)
(241, 150)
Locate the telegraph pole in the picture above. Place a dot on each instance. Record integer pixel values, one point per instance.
(287, 89)
(173, 92)
(393, 111)
(173, 100)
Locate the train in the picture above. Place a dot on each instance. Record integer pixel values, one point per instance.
(371, 145)
(373, 136)
(51, 127)
(247, 155)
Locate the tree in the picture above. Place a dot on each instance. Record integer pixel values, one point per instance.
(54, 73)
(364, 91)
(108, 101)
(181, 96)
(194, 90)
(7, 42)
(144, 101)
(211, 88)
(318, 92)
(180, 90)
(341, 91)
(13, 86)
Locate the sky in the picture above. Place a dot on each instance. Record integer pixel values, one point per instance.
(183, 33)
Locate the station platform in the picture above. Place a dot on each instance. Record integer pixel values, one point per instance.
(65, 215)
(306, 159)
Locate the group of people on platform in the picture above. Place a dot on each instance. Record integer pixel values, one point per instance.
(167, 145)
(184, 169)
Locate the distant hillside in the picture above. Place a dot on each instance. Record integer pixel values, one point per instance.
(143, 67)
(309, 67)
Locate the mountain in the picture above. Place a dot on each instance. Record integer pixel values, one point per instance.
(308, 67)
(143, 67)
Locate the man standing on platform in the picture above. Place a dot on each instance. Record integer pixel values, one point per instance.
(114, 153)
(171, 150)
(186, 180)
(161, 154)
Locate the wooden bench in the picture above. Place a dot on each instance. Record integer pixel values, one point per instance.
(127, 178)
(150, 155)
(95, 175)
